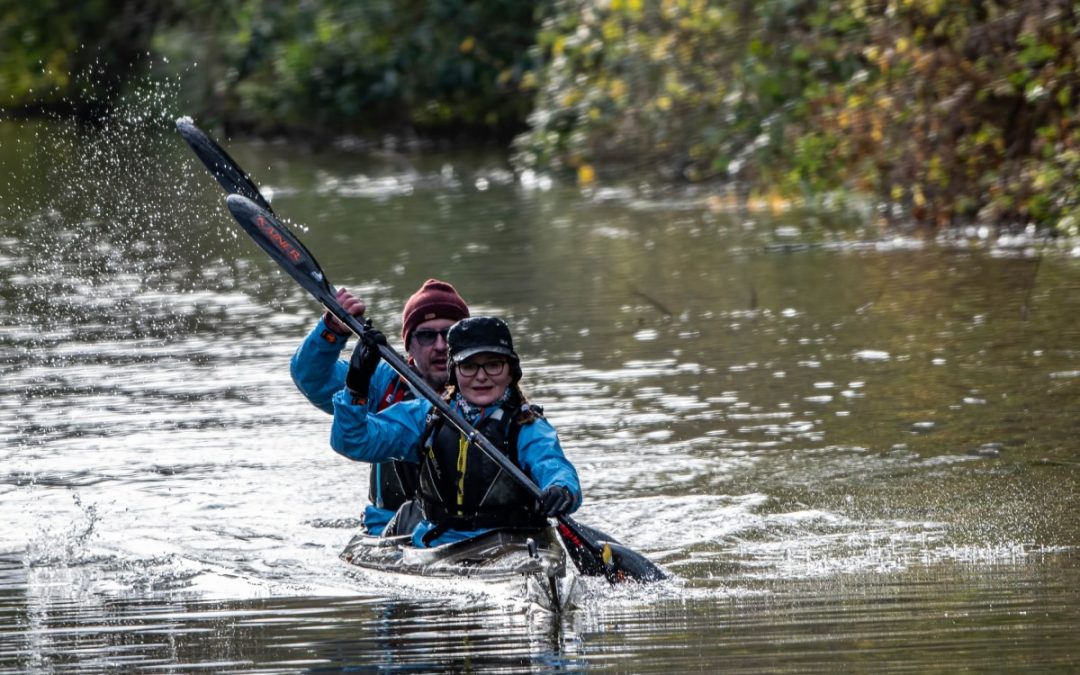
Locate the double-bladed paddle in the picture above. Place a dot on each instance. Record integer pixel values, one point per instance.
(592, 557)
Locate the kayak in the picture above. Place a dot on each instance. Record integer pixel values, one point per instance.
(532, 564)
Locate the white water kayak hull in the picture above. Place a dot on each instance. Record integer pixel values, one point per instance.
(503, 557)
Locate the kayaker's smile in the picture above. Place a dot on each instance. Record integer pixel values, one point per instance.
(483, 378)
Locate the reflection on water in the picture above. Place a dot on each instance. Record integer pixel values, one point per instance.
(839, 448)
(971, 616)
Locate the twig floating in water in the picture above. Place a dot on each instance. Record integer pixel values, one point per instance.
(653, 301)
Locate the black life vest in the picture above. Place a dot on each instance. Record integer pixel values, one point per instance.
(461, 488)
(392, 483)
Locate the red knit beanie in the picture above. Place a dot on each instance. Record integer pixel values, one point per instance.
(435, 300)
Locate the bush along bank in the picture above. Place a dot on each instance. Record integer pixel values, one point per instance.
(943, 113)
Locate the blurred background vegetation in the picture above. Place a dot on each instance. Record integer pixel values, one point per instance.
(941, 113)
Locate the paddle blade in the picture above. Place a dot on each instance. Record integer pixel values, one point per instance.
(281, 245)
(588, 560)
(628, 565)
(613, 561)
(222, 167)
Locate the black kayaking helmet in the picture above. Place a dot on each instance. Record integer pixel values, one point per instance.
(478, 335)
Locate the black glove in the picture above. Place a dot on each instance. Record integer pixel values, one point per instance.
(365, 358)
(556, 500)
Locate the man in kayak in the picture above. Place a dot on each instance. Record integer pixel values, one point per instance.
(319, 373)
(462, 492)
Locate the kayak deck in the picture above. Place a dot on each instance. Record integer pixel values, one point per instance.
(536, 557)
(498, 554)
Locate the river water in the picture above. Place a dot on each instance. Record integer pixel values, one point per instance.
(851, 450)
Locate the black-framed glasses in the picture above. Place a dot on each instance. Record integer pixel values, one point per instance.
(492, 368)
(426, 336)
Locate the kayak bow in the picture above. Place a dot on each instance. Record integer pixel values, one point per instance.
(531, 562)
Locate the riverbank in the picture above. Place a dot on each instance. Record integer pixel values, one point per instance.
(943, 114)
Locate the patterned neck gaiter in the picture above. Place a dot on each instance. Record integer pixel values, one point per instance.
(473, 413)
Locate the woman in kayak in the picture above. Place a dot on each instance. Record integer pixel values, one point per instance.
(462, 492)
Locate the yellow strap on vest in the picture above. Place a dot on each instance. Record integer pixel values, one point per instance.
(463, 452)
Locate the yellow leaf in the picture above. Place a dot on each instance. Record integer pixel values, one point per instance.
(467, 45)
(586, 175)
(618, 90)
(663, 48)
(612, 31)
(778, 203)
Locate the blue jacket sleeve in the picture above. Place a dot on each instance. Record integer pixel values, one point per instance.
(542, 456)
(393, 433)
(317, 369)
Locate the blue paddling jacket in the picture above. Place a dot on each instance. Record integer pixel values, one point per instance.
(319, 372)
(400, 432)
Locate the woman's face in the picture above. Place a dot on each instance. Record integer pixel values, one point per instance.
(482, 378)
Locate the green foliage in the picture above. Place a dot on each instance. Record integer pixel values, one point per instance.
(966, 110)
(953, 110)
(72, 56)
(437, 66)
(699, 90)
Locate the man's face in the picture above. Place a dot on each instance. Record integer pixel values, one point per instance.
(428, 350)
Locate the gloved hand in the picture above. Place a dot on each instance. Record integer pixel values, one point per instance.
(556, 500)
(365, 358)
(351, 304)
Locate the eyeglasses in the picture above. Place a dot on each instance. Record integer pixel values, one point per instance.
(492, 368)
(426, 336)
